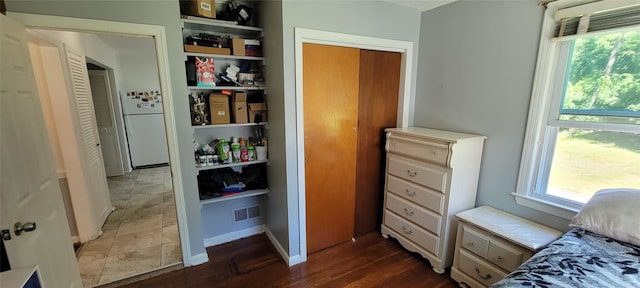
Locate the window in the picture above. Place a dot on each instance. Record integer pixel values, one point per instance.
(583, 131)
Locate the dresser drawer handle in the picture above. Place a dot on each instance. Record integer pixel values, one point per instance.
(409, 213)
(500, 258)
(412, 174)
(435, 152)
(409, 231)
(483, 277)
(410, 193)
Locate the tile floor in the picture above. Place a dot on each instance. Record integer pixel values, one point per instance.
(140, 235)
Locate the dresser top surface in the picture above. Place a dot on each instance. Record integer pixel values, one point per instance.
(521, 231)
(428, 133)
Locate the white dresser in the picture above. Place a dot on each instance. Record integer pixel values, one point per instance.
(491, 243)
(430, 176)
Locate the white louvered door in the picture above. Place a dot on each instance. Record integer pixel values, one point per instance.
(88, 128)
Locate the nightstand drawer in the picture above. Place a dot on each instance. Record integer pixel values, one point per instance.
(416, 172)
(412, 232)
(434, 152)
(478, 269)
(414, 213)
(420, 195)
(475, 241)
(505, 255)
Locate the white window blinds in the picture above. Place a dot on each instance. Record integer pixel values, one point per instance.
(596, 17)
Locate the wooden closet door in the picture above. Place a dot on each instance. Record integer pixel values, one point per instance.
(378, 109)
(331, 84)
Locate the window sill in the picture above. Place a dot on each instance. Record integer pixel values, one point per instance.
(546, 206)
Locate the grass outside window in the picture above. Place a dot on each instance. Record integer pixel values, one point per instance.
(587, 161)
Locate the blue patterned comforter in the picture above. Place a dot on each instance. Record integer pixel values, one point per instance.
(579, 259)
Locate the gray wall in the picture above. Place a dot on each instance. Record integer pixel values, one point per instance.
(218, 218)
(367, 18)
(476, 66)
(276, 202)
(162, 13)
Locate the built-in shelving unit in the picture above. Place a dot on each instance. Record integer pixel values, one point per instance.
(194, 25)
(239, 195)
(228, 125)
(228, 27)
(221, 56)
(240, 88)
(220, 166)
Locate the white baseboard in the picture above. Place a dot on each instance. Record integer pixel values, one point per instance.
(198, 259)
(295, 260)
(224, 238)
(290, 260)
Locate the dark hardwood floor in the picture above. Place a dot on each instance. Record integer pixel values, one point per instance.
(371, 261)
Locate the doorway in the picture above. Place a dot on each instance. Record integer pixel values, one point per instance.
(405, 98)
(141, 234)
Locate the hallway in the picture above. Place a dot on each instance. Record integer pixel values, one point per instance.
(140, 235)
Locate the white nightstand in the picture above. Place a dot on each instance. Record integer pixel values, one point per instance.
(491, 243)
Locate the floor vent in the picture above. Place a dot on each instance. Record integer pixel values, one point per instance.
(246, 213)
(254, 211)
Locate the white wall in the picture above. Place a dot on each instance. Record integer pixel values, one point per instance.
(139, 67)
(139, 72)
(476, 68)
(52, 130)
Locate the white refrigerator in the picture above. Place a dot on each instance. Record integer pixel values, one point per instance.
(144, 123)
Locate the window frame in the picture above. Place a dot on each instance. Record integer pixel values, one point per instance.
(543, 119)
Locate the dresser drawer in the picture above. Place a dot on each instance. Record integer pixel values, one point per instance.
(416, 172)
(412, 232)
(506, 255)
(478, 269)
(434, 152)
(475, 241)
(426, 219)
(420, 195)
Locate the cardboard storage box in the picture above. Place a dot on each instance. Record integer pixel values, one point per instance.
(257, 112)
(202, 8)
(240, 109)
(219, 106)
(205, 49)
(238, 46)
(246, 47)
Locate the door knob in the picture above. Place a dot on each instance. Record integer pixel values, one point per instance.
(18, 228)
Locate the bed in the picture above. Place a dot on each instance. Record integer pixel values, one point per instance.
(603, 250)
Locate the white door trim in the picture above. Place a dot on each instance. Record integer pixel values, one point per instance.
(35, 21)
(303, 35)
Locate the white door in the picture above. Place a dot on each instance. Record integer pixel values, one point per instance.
(29, 186)
(101, 92)
(81, 90)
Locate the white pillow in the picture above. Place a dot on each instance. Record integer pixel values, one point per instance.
(614, 213)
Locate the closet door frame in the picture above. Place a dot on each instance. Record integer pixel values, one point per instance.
(405, 98)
